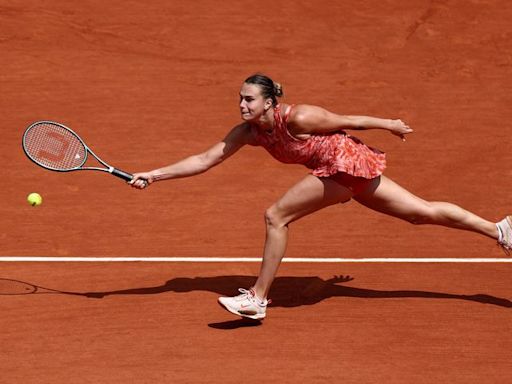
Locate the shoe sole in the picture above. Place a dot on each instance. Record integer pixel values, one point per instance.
(254, 317)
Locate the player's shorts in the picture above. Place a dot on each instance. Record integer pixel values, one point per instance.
(354, 183)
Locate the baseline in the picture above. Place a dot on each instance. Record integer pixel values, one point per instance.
(50, 259)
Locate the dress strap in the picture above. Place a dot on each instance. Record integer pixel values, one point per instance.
(288, 111)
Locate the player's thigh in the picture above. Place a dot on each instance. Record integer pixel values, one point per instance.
(388, 197)
(307, 196)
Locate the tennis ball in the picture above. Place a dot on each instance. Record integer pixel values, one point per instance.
(34, 199)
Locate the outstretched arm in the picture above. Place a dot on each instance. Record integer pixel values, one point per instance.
(199, 163)
(309, 119)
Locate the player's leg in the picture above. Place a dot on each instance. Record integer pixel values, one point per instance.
(390, 198)
(307, 196)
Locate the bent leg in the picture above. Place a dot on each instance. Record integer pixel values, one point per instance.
(307, 196)
(388, 197)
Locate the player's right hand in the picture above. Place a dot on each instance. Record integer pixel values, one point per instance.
(141, 180)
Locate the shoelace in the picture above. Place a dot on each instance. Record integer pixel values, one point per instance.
(245, 293)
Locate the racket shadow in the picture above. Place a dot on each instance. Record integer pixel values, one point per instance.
(12, 287)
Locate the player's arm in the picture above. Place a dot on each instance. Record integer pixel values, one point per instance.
(201, 162)
(309, 119)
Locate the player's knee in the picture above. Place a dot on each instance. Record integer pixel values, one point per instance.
(416, 219)
(424, 217)
(273, 219)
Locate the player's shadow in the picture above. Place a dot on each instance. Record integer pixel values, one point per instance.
(293, 292)
(287, 292)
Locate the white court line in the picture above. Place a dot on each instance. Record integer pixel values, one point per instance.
(49, 259)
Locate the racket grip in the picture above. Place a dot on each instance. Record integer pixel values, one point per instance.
(122, 174)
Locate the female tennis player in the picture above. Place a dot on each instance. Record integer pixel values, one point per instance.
(342, 167)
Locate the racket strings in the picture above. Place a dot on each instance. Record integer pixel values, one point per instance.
(54, 147)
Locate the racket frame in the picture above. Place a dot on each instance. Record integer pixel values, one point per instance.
(108, 168)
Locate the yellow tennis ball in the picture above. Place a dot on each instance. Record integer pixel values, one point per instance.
(34, 199)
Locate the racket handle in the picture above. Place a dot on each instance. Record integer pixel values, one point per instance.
(122, 174)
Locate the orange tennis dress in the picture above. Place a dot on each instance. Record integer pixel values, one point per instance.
(326, 155)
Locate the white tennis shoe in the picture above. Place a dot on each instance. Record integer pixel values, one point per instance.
(246, 305)
(505, 236)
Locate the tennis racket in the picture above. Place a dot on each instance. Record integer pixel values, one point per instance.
(55, 147)
(10, 287)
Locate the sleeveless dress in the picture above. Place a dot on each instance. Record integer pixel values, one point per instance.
(326, 155)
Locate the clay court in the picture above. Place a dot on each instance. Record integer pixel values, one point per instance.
(148, 83)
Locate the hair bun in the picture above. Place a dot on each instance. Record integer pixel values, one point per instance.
(278, 89)
(268, 87)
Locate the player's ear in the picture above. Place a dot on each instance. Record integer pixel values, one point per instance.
(268, 104)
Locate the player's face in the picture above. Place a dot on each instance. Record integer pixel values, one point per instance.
(252, 102)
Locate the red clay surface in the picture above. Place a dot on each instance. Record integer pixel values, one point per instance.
(146, 84)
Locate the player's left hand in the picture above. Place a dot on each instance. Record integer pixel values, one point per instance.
(399, 128)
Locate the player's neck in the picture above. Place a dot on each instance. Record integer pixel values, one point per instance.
(266, 121)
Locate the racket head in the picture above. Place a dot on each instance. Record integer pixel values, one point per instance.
(10, 287)
(54, 146)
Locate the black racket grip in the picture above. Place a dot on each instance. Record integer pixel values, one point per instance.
(125, 175)
(122, 174)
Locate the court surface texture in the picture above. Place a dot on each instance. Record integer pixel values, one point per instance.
(361, 298)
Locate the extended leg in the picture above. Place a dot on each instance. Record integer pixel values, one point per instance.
(388, 197)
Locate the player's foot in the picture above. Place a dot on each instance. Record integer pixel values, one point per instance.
(246, 305)
(505, 234)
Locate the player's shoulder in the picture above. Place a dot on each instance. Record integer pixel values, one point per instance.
(243, 133)
(305, 108)
(304, 112)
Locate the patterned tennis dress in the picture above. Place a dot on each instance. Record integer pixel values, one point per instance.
(326, 155)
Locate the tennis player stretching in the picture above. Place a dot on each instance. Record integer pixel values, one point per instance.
(342, 167)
